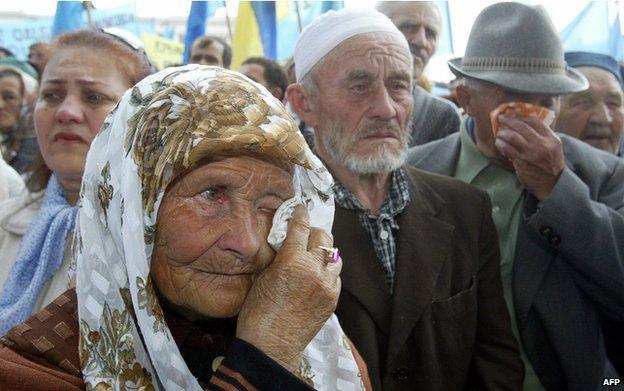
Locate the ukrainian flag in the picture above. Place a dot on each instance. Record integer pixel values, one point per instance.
(256, 31)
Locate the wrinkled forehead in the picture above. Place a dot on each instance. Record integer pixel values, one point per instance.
(249, 157)
(599, 76)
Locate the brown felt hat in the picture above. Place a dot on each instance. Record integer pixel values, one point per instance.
(516, 47)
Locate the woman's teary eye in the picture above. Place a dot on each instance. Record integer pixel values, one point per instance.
(95, 98)
(50, 96)
(210, 194)
(269, 208)
(270, 203)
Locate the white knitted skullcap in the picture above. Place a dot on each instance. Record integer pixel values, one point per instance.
(332, 28)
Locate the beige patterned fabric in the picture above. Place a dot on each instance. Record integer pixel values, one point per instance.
(167, 124)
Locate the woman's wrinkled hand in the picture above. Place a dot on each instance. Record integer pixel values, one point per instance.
(293, 297)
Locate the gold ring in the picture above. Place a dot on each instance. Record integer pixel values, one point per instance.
(332, 255)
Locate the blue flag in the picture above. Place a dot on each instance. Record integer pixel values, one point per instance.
(616, 50)
(445, 42)
(331, 5)
(589, 31)
(288, 22)
(68, 17)
(196, 23)
(267, 27)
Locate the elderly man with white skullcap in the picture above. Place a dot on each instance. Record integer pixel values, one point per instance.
(421, 291)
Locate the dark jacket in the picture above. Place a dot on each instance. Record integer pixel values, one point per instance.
(446, 326)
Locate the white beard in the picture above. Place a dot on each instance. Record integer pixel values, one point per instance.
(384, 159)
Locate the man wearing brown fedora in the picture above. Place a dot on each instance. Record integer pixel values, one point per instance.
(557, 202)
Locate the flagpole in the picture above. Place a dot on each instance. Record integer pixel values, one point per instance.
(229, 23)
(299, 22)
(87, 5)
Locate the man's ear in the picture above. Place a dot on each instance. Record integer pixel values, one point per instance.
(463, 94)
(301, 103)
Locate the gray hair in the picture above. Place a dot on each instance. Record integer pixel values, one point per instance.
(386, 7)
(309, 83)
(309, 80)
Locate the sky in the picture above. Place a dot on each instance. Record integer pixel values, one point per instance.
(463, 14)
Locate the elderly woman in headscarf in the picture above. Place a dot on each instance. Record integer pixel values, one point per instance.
(18, 91)
(198, 261)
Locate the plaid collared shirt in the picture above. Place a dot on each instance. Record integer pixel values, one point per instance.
(381, 227)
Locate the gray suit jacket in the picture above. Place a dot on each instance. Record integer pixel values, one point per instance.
(433, 118)
(568, 268)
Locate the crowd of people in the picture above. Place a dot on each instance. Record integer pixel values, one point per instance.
(327, 224)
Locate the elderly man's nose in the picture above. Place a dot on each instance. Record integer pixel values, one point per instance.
(382, 105)
(242, 237)
(601, 114)
(418, 36)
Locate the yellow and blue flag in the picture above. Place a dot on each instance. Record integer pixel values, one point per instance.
(270, 29)
(255, 33)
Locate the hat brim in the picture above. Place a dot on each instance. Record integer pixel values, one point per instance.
(527, 83)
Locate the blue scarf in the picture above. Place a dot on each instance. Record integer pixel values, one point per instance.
(40, 256)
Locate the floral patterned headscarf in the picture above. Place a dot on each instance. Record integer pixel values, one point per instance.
(169, 123)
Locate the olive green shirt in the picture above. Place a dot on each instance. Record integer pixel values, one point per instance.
(507, 195)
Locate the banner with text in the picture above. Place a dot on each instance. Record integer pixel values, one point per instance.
(18, 36)
(163, 52)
